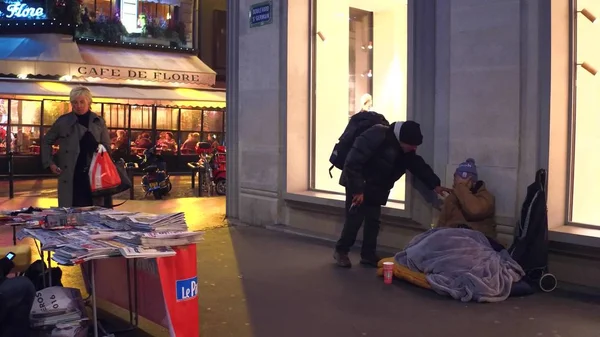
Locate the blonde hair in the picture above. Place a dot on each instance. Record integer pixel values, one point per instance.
(80, 91)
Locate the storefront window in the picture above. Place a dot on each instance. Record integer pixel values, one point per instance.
(167, 142)
(54, 109)
(116, 115)
(212, 121)
(141, 140)
(24, 130)
(191, 119)
(361, 63)
(141, 117)
(25, 139)
(25, 112)
(586, 139)
(119, 143)
(188, 142)
(167, 118)
(3, 125)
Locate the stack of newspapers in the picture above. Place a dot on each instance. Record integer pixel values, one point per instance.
(59, 311)
(103, 233)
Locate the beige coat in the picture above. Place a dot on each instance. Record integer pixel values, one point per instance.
(66, 132)
(475, 209)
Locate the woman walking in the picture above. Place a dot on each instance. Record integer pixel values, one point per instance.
(77, 134)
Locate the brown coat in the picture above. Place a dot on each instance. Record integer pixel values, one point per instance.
(67, 132)
(475, 209)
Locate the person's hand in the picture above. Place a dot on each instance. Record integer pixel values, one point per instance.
(357, 199)
(440, 190)
(55, 169)
(462, 181)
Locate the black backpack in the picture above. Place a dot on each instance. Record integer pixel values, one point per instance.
(358, 124)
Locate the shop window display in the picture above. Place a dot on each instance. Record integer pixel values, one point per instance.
(585, 138)
(370, 75)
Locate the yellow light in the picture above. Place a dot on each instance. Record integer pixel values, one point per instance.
(55, 87)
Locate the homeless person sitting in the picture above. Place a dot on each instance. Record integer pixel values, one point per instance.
(470, 205)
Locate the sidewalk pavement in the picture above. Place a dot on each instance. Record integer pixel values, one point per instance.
(290, 287)
(263, 283)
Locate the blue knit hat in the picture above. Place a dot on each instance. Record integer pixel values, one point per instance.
(467, 169)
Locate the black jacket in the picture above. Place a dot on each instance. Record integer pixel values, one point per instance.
(377, 161)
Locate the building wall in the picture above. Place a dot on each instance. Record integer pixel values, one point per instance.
(478, 84)
(207, 8)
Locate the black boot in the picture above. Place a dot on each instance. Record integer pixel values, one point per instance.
(342, 259)
(370, 260)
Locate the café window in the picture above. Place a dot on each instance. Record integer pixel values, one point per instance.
(3, 125)
(167, 124)
(360, 64)
(25, 126)
(142, 136)
(116, 117)
(213, 127)
(53, 110)
(191, 121)
(585, 139)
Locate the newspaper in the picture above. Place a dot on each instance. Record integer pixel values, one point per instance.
(96, 233)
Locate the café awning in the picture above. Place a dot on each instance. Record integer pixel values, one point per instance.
(55, 90)
(57, 55)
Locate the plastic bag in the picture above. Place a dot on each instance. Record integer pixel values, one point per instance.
(103, 173)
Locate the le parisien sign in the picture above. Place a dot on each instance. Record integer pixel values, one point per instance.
(140, 74)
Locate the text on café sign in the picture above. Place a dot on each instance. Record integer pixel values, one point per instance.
(138, 74)
(19, 10)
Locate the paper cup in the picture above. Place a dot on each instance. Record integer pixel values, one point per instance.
(388, 272)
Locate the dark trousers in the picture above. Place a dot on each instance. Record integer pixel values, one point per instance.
(17, 295)
(369, 214)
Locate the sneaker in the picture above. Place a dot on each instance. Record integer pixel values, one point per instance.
(342, 260)
(370, 261)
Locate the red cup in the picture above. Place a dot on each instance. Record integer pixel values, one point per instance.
(388, 272)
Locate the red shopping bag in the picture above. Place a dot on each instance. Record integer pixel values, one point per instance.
(179, 282)
(103, 172)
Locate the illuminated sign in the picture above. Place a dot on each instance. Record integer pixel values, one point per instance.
(18, 10)
(139, 74)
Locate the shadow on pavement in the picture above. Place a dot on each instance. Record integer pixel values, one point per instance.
(261, 283)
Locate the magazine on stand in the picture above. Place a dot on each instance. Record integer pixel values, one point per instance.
(58, 306)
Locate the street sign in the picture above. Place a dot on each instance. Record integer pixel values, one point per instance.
(261, 14)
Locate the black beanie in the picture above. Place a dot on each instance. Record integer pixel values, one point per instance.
(410, 133)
